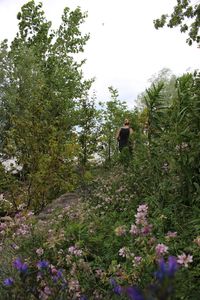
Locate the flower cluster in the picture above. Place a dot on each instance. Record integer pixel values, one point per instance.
(184, 259)
(161, 289)
(161, 249)
(20, 266)
(50, 281)
(141, 226)
(75, 251)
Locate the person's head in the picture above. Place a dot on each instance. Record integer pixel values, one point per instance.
(126, 122)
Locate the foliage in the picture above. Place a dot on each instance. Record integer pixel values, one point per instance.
(40, 81)
(87, 119)
(135, 211)
(75, 243)
(183, 11)
(113, 115)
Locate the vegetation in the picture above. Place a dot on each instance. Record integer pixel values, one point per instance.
(186, 15)
(135, 231)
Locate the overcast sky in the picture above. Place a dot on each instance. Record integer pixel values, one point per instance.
(124, 49)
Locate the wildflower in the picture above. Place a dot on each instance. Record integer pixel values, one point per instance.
(73, 250)
(8, 282)
(54, 271)
(166, 269)
(137, 260)
(184, 259)
(20, 266)
(134, 293)
(171, 234)
(140, 218)
(83, 297)
(120, 231)
(42, 264)
(134, 230)
(23, 230)
(39, 251)
(59, 273)
(161, 249)
(3, 226)
(146, 229)
(47, 290)
(117, 289)
(124, 252)
(143, 208)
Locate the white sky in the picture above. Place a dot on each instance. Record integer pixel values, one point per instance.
(124, 49)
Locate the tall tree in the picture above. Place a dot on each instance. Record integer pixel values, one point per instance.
(40, 82)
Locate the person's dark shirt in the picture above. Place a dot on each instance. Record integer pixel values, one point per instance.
(123, 137)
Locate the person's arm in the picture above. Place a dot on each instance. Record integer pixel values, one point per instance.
(131, 130)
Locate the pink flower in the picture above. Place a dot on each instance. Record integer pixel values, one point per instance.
(39, 251)
(141, 215)
(143, 208)
(140, 218)
(161, 249)
(74, 251)
(137, 260)
(134, 230)
(184, 259)
(146, 229)
(71, 249)
(124, 252)
(54, 271)
(171, 234)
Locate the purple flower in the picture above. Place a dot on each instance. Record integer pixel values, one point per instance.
(20, 266)
(166, 269)
(42, 264)
(60, 274)
(83, 298)
(172, 266)
(134, 293)
(117, 289)
(8, 281)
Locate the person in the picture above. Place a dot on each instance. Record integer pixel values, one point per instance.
(123, 136)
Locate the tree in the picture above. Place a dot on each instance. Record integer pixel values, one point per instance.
(87, 118)
(40, 83)
(114, 114)
(183, 12)
(169, 92)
